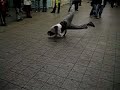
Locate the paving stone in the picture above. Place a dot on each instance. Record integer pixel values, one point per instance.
(67, 66)
(75, 76)
(95, 65)
(43, 76)
(3, 83)
(12, 87)
(89, 80)
(108, 68)
(71, 59)
(29, 72)
(117, 78)
(82, 62)
(49, 69)
(104, 85)
(116, 86)
(107, 76)
(49, 87)
(70, 84)
(34, 84)
(62, 72)
(79, 68)
(92, 72)
(56, 80)
(21, 80)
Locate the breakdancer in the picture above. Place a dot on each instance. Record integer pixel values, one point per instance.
(60, 29)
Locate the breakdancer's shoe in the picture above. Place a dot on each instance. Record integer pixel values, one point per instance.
(91, 24)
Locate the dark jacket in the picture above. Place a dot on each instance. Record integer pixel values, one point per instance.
(98, 2)
(3, 5)
(17, 3)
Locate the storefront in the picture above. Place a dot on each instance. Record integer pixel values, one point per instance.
(50, 3)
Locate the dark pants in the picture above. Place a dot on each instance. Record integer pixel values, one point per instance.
(2, 17)
(44, 5)
(94, 10)
(54, 9)
(80, 3)
(27, 10)
(76, 4)
(100, 10)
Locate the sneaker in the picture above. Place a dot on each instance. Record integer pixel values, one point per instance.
(91, 24)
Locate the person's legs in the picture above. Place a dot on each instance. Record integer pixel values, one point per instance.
(80, 2)
(93, 11)
(101, 10)
(58, 8)
(72, 26)
(97, 10)
(2, 16)
(44, 5)
(76, 6)
(28, 9)
(84, 26)
(54, 9)
(18, 14)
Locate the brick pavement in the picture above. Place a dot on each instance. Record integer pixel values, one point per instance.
(84, 60)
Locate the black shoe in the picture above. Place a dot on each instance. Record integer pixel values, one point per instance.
(29, 16)
(4, 24)
(91, 24)
(52, 12)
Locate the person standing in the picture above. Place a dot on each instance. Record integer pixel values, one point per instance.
(37, 5)
(76, 2)
(27, 8)
(57, 5)
(101, 7)
(44, 6)
(80, 1)
(3, 12)
(17, 6)
(97, 7)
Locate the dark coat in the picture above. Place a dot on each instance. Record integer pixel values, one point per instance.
(98, 2)
(3, 5)
(17, 3)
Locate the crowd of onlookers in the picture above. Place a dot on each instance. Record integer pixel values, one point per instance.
(24, 6)
(20, 6)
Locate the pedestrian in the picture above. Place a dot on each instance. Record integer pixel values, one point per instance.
(60, 29)
(44, 6)
(37, 5)
(56, 5)
(27, 8)
(76, 2)
(97, 8)
(3, 12)
(18, 9)
(80, 1)
(101, 7)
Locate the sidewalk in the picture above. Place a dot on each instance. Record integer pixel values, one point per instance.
(85, 60)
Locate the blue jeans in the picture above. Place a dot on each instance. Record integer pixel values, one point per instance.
(94, 10)
(100, 10)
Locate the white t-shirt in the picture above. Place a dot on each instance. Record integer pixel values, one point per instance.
(60, 33)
